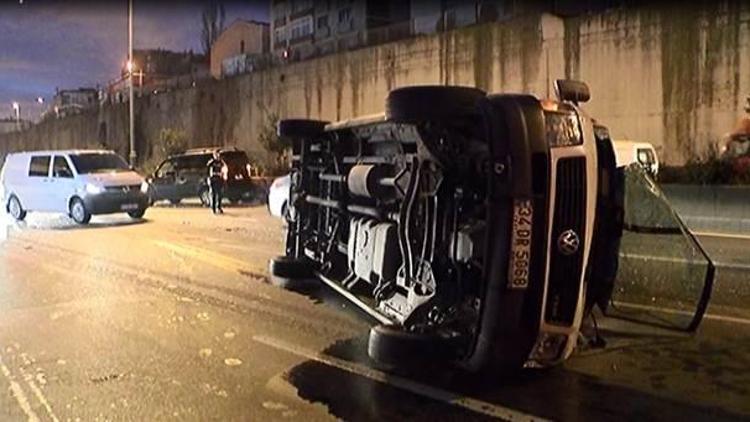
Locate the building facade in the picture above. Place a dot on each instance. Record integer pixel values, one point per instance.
(239, 47)
(306, 28)
(76, 98)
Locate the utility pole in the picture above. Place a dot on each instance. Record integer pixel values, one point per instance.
(131, 67)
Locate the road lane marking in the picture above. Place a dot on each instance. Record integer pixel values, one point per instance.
(434, 393)
(715, 317)
(18, 393)
(39, 395)
(726, 235)
(216, 259)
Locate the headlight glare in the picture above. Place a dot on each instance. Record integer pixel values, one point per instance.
(93, 189)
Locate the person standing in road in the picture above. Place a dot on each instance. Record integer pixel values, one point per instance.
(216, 182)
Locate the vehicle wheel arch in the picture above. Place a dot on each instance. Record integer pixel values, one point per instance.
(10, 196)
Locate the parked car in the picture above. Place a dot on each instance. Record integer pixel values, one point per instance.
(643, 153)
(278, 196)
(461, 222)
(184, 176)
(80, 183)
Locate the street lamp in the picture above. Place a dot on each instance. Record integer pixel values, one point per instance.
(17, 111)
(130, 66)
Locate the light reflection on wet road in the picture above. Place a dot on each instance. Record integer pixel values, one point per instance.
(171, 318)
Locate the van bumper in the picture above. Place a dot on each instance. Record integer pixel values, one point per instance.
(109, 203)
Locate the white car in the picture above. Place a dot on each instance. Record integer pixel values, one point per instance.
(643, 153)
(79, 183)
(278, 196)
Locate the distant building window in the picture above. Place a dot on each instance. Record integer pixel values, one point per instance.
(279, 35)
(242, 46)
(301, 5)
(345, 15)
(323, 21)
(301, 28)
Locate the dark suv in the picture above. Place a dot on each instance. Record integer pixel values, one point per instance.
(184, 176)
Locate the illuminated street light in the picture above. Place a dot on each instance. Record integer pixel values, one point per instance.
(17, 111)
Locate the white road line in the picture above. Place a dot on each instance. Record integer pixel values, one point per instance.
(474, 405)
(715, 317)
(726, 235)
(39, 395)
(730, 265)
(18, 393)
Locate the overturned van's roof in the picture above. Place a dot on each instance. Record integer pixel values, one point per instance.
(64, 152)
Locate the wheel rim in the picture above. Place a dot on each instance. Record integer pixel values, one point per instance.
(15, 208)
(77, 211)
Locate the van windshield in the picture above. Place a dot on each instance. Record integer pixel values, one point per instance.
(98, 163)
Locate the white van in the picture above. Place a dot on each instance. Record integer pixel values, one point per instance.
(79, 183)
(643, 153)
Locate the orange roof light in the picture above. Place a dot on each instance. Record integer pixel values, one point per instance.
(549, 104)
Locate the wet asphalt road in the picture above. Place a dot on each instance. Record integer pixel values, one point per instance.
(171, 318)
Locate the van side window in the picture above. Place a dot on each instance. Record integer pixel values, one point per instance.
(167, 169)
(39, 166)
(60, 168)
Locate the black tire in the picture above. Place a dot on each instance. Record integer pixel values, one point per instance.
(78, 211)
(15, 209)
(205, 196)
(287, 267)
(175, 201)
(137, 214)
(234, 200)
(300, 128)
(291, 273)
(396, 348)
(432, 103)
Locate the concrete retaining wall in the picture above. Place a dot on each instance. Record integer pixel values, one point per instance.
(675, 74)
(722, 209)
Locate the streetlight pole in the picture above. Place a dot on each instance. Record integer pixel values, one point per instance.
(131, 66)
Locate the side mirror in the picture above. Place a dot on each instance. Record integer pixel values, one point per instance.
(573, 91)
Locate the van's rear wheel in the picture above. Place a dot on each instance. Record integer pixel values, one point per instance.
(78, 212)
(15, 209)
(291, 273)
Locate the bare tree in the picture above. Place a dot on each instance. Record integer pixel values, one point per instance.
(212, 20)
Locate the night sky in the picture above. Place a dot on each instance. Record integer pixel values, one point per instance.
(49, 44)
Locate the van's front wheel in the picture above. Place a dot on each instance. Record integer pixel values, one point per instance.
(78, 211)
(15, 209)
(137, 214)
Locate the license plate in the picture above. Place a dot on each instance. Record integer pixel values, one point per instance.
(520, 250)
(129, 207)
